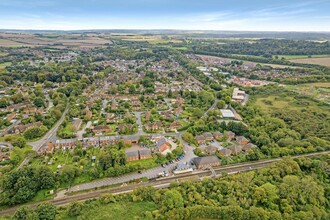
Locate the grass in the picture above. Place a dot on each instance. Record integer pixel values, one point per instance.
(284, 101)
(127, 210)
(145, 164)
(3, 65)
(324, 61)
(320, 91)
(290, 57)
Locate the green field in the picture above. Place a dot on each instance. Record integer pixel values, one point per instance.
(283, 101)
(320, 91)
(127, 210)
(290, 57)
(3, 65)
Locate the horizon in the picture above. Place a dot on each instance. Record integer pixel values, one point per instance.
(209, 15)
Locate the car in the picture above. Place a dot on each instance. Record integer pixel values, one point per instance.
(140, 172)
(163, 165)
(166, 163)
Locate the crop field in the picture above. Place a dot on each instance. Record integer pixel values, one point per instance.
(324, 61)
(291, 57)
(10, 43)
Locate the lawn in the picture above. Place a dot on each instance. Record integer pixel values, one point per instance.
(145, 164)
(319, 91)
(116, 211)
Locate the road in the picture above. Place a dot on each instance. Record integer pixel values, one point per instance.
(139, 123)
(212, 107)
(162, 182)
(50, 136)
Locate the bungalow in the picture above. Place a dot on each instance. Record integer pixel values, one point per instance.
(242, 140)
(208, 136)
(200, 139)
(210, 149)
(231, 135)
(248, 147)
(217, 135)
(225, 152)
(236, 149)
(204, 162)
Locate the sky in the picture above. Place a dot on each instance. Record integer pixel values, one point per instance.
(239, 15)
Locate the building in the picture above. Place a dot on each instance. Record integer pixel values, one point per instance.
(200, 139)
(238, 95)
(145, 154)
(204, 162)
(236, 149)
(182, 168)
(226, 113)
(230, 135)
(217, 135)
(163, 146)
(208, 136)
(225, 152)
(101, 129)
(242, 140)
(210, 149)
(248, 147)
(132, 156)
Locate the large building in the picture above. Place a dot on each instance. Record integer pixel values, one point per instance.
(204, 162)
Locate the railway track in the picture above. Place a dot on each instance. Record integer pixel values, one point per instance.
(163, 182)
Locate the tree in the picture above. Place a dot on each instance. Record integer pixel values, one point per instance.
(75, 209)
(46, 211)
(172, 199)
(39, 102)
(221, 104)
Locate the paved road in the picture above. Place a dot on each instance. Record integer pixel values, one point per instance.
(7, 144)
(212, 107)
(50, 102)
(139, 123)
(50, 136)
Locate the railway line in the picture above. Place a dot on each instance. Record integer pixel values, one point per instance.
(164, 182)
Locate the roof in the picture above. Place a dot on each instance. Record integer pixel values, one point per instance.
(132, 154)
(226, 113)
(225, 151)
(205, 160)
(145, 152)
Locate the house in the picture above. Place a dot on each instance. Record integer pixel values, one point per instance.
(101, 129)
(153, 126)
(174, 126)
(145, 154)
(225, 152)
(148, 116)
(242, 140)
(248, 147)
(210, 149)
(65, 143)
(200, 139)
(208, 136)
(182, 168)
(163, 146)
(204, 162)
(22, 128)
(236, 149)
(124, 127)
(11, 116)
(132, 156)
(217, 135)
(230, 135)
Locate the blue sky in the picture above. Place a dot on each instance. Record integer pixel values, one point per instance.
(250, 15)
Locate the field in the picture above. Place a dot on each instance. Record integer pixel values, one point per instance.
(3, 65)
(10, 43)
(320, 91)
(325, 61)
(291, 57)
(283, 101)
(116, 211)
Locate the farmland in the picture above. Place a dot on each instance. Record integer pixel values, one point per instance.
(324, 61)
